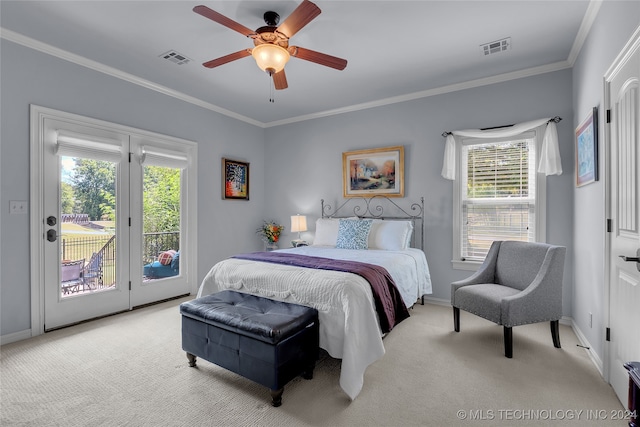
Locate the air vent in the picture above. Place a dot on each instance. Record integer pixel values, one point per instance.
(496, 46)
(175, 57)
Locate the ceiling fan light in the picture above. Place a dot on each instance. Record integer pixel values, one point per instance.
(270, 57)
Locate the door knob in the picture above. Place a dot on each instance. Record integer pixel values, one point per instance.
(51, 221)
(51, 235)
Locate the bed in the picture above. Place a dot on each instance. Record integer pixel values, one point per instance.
(350, 321)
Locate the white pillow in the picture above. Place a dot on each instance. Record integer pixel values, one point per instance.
(390, 235)
(326, 232)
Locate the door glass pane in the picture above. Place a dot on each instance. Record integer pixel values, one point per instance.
(87, 226)
(161, 222)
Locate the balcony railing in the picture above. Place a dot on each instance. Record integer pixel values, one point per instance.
(154, 243)
(74, 248)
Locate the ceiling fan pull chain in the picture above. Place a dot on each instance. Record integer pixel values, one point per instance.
(271, 95)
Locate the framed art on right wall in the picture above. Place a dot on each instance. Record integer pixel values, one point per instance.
(587, 150)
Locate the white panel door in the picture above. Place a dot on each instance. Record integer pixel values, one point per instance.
(85, 200)
(624, 279)
(161, 187)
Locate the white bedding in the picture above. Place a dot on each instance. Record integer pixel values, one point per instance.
(349, 328)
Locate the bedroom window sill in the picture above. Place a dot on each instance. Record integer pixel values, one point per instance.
(466, 265)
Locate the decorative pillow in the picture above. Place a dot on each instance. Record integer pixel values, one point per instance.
(166, 257)
(326, 232)
(353, 233)
(390, 235)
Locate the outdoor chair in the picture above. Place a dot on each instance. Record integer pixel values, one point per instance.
(71, 276)
(518, 283)
(93, 275)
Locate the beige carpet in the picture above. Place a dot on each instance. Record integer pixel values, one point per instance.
(129, 370)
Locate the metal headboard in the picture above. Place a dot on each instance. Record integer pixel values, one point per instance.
(374, 208)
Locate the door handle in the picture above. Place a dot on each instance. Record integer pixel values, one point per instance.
(51, 235)
(635, 259)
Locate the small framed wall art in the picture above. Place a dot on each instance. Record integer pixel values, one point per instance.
(587, 150)
(235, 179)
(378, 171)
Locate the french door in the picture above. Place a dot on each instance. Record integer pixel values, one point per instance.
(622, 94)
(113, 218)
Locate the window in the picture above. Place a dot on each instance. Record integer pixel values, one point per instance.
(498, 196)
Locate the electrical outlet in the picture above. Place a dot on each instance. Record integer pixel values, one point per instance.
(17, 207)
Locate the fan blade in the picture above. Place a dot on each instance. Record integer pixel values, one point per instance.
(301, 16)
(280, 80)
(227, 58)
(223, 20)
(318, 58)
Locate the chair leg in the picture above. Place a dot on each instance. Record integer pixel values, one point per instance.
(555, 333)
(508, 342)
(456, 319)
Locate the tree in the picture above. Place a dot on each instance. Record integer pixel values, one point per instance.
(67, 198)
(161, 199)
(94, 181)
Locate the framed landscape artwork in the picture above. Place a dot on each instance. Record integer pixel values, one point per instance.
(235, 179)
(378, 171)
(587, 150)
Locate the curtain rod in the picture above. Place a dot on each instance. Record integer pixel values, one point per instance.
(554, 119)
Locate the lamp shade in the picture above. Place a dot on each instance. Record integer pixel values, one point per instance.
(298, 223)
(270, 57)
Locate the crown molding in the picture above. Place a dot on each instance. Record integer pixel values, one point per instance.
(114, 72)
(430, 92)
(583, 31)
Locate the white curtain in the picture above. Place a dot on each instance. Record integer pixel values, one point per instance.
(550, 162)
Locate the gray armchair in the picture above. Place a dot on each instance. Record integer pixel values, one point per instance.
(518, 283)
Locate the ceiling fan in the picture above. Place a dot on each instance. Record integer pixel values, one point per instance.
(271, 43)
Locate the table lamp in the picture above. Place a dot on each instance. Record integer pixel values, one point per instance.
(298, 224)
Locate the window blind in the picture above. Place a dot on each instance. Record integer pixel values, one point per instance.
(153, 156)
(498, 202)
(88, 146)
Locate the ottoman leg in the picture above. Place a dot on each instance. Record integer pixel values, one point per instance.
(192, 359)
(276, 397)
(308, 373)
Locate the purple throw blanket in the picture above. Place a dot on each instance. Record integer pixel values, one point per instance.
(388, 301)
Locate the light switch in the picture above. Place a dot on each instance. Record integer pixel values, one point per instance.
(18, 207)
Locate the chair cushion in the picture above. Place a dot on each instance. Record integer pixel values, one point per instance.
(155, 270)
(483, 300)
(518, 263)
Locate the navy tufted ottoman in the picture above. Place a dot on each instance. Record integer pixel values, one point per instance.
(269, 342)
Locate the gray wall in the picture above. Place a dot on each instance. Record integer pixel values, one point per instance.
(313, 150)
(614, 26)
(31, 77)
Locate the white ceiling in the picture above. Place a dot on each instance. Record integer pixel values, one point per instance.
(396, 50)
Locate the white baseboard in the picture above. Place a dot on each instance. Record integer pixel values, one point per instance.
(589, 349)
(16, 336)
